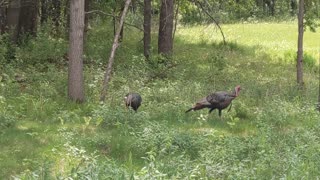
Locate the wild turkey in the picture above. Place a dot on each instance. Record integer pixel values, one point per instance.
(133, 100)
(217, 100)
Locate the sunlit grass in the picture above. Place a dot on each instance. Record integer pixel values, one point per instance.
(277, 38)
(161, 137)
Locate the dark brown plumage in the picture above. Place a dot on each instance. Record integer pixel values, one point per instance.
(133, 100)
(217, 100)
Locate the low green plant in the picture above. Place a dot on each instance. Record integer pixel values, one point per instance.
(42, 49)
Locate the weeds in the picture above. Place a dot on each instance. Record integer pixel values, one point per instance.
(271, 131)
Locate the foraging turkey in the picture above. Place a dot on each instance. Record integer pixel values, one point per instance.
(133, 100)
(217, 100)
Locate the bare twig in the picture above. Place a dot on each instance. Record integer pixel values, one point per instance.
(107, 76)
(114, 16)
(197, 3)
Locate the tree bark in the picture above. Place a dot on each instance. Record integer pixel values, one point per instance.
(28, 17)
(319, 86)
(121, 31)
(165, 41)
(3, 16)
(56, 12)
(147, 28)
(13, 14)
(75, 74)
(44, 11)
(176, 19)
(86, 20)
(115, 45)
(300, 44)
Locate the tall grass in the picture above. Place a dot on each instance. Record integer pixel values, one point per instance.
(271, 131)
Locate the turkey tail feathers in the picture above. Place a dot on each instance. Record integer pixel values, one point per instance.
(189, 110)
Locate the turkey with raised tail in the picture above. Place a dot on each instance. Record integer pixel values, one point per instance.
(133, 100)
(217, 100)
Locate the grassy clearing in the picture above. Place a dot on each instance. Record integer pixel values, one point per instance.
(271, 131)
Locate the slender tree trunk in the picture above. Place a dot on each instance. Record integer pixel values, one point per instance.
(107, 76)
(176, 19)
(300, 44)
(3, 16)
(121, 31)
(165, 41)
(319, 85)
(114, 19)
(147, 28)
(86, 20)
(44, 11)
(75, 75)
(56, 12)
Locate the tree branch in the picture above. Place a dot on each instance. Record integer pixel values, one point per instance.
(114, 16)
(115, 45)
(176, 19)
(197, 3)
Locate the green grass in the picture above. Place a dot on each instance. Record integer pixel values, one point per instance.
(270, 132)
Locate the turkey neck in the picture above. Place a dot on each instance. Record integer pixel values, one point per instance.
(233, 94)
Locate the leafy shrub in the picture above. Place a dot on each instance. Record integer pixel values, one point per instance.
(3, 50)
(43, 48)
(187, 143)
(242, 110)
(7, 49)
(6, 120)
(308, 60)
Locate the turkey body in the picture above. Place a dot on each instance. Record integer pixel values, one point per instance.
(217, 100)
(133, 100)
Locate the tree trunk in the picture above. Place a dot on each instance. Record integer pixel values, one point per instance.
(319, 87)
(86, 20)
(176, 19)
(13, 14)
(3, 17)
(28, 17)
(121, 31)
(165, 41)
(107, 76)
(21, 18)
(75, 74)
(56, 12)
(147, 28)
(300, 44)
(44, 11)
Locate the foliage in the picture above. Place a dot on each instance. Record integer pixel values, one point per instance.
(245, 10)
(271, 131)
(43, 49)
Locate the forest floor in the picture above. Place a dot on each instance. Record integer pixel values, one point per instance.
(272, 130)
